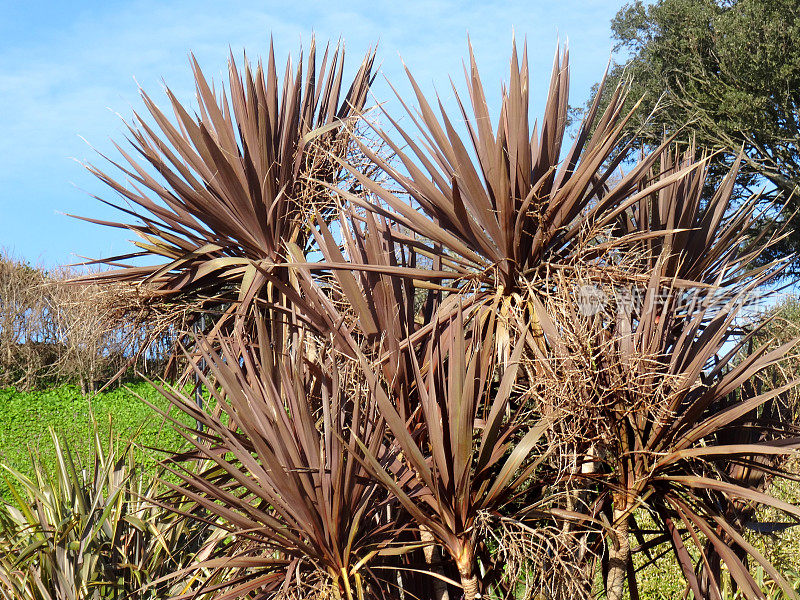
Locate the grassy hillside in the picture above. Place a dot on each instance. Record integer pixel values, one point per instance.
(27, 416)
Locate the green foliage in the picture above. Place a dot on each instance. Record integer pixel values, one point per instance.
(718, 80)
(27, 416)
(89, 529)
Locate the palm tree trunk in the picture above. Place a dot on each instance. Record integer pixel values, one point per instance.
(469, 582)
(439, 587)
(619, 554)
(464, 557)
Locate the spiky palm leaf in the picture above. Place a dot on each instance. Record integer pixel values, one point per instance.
(285, 479)
(498, 206)
(475, 449)
(660, 386)
(346, 393)
(89, 531)
(232, 184)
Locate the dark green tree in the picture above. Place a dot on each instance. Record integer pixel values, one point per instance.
(731, 70)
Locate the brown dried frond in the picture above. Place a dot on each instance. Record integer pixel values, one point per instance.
(587, 373)
(311, 584)
(538, 562)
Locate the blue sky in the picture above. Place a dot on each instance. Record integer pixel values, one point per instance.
(69, 71)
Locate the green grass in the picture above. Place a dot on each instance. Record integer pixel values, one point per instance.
(664, 580)
(27, 417)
